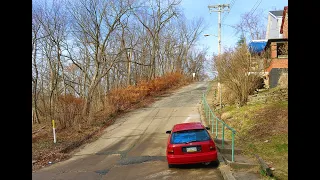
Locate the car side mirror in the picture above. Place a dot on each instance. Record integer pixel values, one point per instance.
(207, 128)
(168, 132)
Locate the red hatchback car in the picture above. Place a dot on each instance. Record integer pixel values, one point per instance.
(190, 143)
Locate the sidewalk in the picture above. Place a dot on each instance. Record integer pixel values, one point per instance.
(242, 168)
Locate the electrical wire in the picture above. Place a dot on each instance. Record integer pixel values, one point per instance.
(231, 5)
(256, 7)
(253, 9)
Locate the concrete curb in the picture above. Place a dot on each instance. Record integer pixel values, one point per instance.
(224, 168)
(238, 165)
(226, 172)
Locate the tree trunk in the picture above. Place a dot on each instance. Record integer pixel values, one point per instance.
(129, 68)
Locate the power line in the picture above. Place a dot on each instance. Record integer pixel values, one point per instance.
(230, 37)
(231, 5)
(255, 7)
(229, 25)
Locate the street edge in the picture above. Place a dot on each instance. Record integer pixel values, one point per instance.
(223, 167)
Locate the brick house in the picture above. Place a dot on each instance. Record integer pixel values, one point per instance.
(278, 65)
(275, 45)
(278, 62)
(279, 59)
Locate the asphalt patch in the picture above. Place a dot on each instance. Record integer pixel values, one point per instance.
(102, 172)
(110, 152)
(140, 159)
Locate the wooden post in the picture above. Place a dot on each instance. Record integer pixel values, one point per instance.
(54, 132)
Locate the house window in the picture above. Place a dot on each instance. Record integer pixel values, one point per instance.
(282, 50)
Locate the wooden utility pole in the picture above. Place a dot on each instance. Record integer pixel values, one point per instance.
(219, 8)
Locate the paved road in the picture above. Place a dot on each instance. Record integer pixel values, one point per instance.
(134, 146)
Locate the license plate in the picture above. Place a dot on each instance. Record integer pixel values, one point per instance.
(191, 149)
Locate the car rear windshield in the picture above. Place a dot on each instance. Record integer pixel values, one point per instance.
(196, 135)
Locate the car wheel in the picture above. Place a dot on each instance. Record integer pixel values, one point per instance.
(215, 163)
(206, 163)
(170, 165)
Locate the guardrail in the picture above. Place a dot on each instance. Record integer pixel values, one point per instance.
(215, 120)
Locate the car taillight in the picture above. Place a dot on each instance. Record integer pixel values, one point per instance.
(170, 150)
(212, 146)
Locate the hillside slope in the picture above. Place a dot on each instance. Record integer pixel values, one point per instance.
(261, 125)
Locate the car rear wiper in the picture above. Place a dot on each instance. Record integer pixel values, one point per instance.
(190, 141)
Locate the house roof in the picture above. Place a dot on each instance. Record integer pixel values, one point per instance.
(274, 40)
(278, 13)
(283, 18)
(257, 46)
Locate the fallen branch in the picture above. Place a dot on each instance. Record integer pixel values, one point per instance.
(38, 130)
(264, 166)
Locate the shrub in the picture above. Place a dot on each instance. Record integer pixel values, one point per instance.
(123, 98)
(68, 110)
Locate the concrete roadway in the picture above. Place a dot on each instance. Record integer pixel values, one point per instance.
(134, 147)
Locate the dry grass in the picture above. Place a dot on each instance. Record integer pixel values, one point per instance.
(262, 129)
(124, 98)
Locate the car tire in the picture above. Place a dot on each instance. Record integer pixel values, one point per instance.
(215, 163)
(206, 163)
(170, 165)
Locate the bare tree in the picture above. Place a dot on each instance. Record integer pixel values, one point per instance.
(196, 63)
(251, 25)
(36, 36)
(141, 43)
(53, 21)
(190, 32)
(160, 14)
(83, 49)
(233, 68)
(95, 23)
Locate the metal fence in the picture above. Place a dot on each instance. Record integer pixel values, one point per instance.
(215, 121)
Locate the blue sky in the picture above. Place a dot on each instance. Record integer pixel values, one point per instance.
(199, 8)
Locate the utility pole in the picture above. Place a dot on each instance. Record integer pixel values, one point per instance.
(219, 8)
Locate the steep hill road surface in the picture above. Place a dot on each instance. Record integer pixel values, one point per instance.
(134, 146)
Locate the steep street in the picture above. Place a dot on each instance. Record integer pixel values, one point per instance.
(134, 146)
